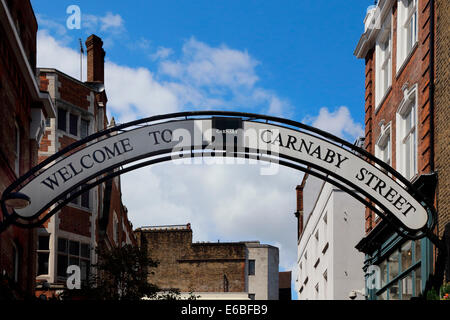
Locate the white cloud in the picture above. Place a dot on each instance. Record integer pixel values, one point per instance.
(339, 122)
(53, 54)
(135, 90)
(161, 53)
(222, 202)
(208, 66)
(111, 21)
(230, 203)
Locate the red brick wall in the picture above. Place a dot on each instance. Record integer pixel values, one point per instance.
(442, 111)
(415, 71)
(75, 220)
(16, 104)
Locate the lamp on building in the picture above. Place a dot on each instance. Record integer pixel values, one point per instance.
(17, 200)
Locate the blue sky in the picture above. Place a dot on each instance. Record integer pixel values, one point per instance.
(286, 58)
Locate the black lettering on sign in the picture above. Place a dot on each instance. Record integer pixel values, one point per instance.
(391, 195)
(87, 162)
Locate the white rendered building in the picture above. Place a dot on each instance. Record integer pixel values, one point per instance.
(331, 222)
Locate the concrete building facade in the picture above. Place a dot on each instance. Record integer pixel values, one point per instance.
(332, 221)
(210, 269)
(25, 109)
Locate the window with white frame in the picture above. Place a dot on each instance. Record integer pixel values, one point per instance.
(406, 29)
(407, 134)
(383, 147)
(43, 254)
(383, 61)
(72, 252)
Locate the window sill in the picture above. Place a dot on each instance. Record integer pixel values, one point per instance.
(406, 60)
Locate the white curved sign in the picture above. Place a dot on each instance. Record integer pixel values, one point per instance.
(178, 136)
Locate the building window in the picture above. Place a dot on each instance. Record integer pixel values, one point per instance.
(115, 228)
(73, 124)
(317, 235)
(83, 200)
(84, 128)
(383, 151)
(325, 275)
(316, 263)
(62, 119)
(251, 267)
(325, 248)
(401, 273)
(17, 149)
(407, 135)
(73, 253)
(407, 30)
(383, 63)
(16, 263)
(43, 253)
(383, 146)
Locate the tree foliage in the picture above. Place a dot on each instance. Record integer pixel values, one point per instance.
(120, 274)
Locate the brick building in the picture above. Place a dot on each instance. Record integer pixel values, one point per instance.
(97, 217)
(406, 107)
(442, 113)
(210, 268)
(22, 118)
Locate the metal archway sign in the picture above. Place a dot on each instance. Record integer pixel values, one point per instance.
(97, 158)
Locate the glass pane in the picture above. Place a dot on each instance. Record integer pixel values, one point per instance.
(62, 245)
(383, 271)
(62, 265)
(418, 286)
(85, 199)
(418, 249)
(43, 242)
(407, 156)
(73, 124)
(251, 267)
(84, 129)
(407, 287)
(406, 253)
(74, 248)
(84, 266)
(393, 266)
(42, 263)
(62, 119)
(85, 251)
(393, 292)
(74, 261)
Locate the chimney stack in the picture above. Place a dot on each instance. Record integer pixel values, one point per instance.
(299, 212)
(95, 59)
